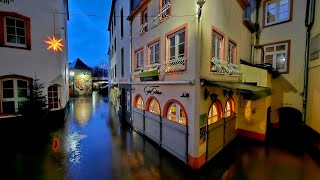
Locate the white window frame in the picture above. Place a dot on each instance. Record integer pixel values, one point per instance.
(176, 45)
(152, 53)
(16, 99)
(232, 50)
(15, 27)
(211, 115)
(177, 116)
(139, 59)
(140, 103)
(152, 109)
(53, 97)
(277, 12)
(217, 46)
(275, 53)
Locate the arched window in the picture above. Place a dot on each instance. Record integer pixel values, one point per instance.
(214, 113)
(139, 102)
(154, 106)
(53, 97)
(176, 113)
(229, 109)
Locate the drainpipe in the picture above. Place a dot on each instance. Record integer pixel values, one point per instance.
(308, 23)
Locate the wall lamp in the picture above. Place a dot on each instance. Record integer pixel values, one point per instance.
(184, 94)
(200, 3)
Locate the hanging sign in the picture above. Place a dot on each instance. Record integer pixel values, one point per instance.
(54, 44)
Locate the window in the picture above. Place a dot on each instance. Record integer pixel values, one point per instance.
(177, 47)
(277, 11)
(14, 94)
(229, 109)
(277, 55)
(177, 114)
(122, 62)
(53, 97)
(154, 53)
(154, 106)
(217, 40)
(232, 50)
(139, 59)
(144, 21)
(214, 113)
(121, 28)
(15, 31)
(165, 8)
(139, 103)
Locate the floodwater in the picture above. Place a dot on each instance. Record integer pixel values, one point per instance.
(94, 145)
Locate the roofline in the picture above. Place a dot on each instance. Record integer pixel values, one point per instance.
(142, 4)
(111, 11)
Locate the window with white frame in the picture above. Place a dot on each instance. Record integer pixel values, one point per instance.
(53, 97)
(14, 95)
(154, 107)
(154, 53)
(177, 114)
(139, 103)
(213, 114)
(217, 45)
(139, 59)
(277, 11)
(232, 52)
(277, 56)
(15, 32)
(177, 47)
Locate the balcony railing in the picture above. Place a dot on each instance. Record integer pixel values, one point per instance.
(162, 14)
(223, 67)
(172, 66)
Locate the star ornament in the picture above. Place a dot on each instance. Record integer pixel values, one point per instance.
(54, 44)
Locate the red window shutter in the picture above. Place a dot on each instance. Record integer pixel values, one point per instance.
(1, 30)
(28, 33)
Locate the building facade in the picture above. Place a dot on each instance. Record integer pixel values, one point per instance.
(80, 79)
(24, 55)
(119, 58)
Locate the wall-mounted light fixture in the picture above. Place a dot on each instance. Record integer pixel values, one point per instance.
(200, 3)
(71, 73)
(184, 94)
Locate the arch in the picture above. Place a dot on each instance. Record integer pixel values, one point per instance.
(138, 102)
(215, 112)
(168, 105)
(229, 108)
(150, 99)
(16, 76)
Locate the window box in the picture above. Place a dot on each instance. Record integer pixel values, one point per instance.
(152, 75)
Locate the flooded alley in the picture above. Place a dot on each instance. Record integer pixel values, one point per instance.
(93, 144)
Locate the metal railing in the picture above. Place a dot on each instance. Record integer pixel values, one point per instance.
(223, 67)
(162, 14)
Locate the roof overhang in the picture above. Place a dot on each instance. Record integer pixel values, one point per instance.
(249, 92)
(142, 5)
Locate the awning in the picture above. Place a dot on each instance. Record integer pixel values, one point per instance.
(249, 92)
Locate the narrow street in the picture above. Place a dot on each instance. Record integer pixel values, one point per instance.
(94, 145)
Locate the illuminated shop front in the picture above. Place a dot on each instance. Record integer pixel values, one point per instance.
(80, 79)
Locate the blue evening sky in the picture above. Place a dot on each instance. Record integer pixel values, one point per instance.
(88, 35)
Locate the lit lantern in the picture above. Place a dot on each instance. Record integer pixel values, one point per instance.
(54, 44)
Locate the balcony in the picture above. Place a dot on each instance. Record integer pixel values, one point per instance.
(163, 14)
(153, 71)
(224, 68)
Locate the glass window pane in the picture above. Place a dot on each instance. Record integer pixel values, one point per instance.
(172, 53)
(11, 30)
(20, 32)
(181, 50)
(20, 23)
(11, 39)
(8, 93)
(157, 57)
(156, 48)
(182, 37)
(10, 22)
(281, 48)
(283, 16)
(55, 88)
(7, 84)
(22, 93)
(268, 59)
(281, 60)
(172, 41)
(8, 107)
(22, 84)
(269, 49)
(21, 40)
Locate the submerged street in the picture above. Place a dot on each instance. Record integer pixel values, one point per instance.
(93, 144)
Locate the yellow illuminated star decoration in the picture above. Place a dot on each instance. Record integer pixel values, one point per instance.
(54, 44)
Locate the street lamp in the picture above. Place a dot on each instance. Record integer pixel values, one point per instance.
(200, 3)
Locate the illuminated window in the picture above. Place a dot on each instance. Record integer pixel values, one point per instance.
(14, 94)
(154, 107)
(154, 53)
(232, 52)
(15, 31)
(229, 109)
(53, 97)
(139, 59)
(139, 103)
(177, 114)
(277, 55)
(277, 11)
(217, 45)
(213, 114)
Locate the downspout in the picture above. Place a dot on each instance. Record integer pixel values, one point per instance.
(309, 20)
